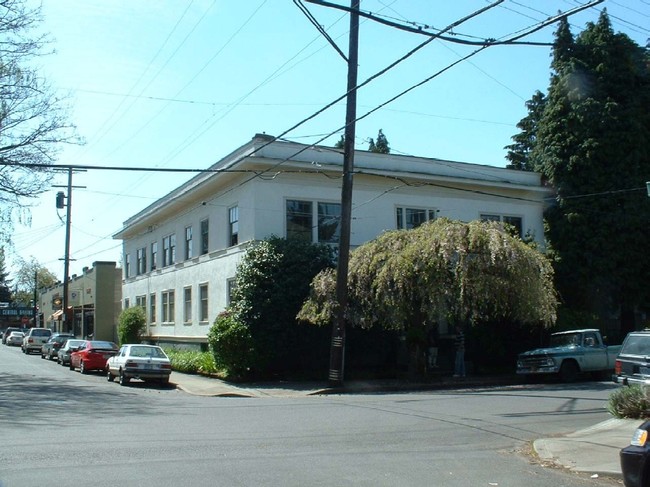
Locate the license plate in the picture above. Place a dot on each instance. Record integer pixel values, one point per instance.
(148, 366)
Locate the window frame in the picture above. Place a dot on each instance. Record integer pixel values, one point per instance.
(233, 225)
(168, 306)
(402, 220)
(188, 243)
(187, 304)
(203, 302)
(152, 309)
(154, 255)
(205, 236)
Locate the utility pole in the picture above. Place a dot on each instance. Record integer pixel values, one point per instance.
(66, 258)
(36, 299)
(337, 350)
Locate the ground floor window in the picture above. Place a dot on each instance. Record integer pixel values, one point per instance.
(167, 306)
(516, 222)
(410, 218)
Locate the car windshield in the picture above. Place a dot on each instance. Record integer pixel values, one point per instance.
(73, 343)
(154, 352)
(636, 345)
(41, 332)
(565, 339)
(17, 334)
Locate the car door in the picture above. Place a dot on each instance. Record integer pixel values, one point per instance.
(595, 355)
(75, 357)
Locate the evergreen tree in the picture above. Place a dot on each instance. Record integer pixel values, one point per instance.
(5, 282)
(381, 146)
(519, 153)
(592, 143)
(340, 144)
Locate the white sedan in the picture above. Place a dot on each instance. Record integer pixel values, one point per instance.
(144, 362)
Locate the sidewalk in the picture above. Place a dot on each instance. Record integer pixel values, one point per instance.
(593, 450)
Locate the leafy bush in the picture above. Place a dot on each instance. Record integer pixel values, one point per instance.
(231, 344)
(629, 402)
(131, 325)
(192, 362)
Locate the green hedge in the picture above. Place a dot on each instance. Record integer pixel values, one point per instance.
(192, 362)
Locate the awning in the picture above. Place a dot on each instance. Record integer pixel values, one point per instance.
(56, 315)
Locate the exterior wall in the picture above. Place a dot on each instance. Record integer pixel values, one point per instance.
(96, 295)
(382, 184)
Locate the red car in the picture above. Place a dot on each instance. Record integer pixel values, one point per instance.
(92, 355)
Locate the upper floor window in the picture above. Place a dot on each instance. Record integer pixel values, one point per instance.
(141, 301)
(188, 243)
(169, 250)
(329, 222)
(300, 220)
(141, 261)
(154, 254)
(127, 266)
(409, 218)
(205, 233)
(233, 225)
(515, 222)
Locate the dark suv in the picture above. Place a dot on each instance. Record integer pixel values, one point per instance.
(633, 362)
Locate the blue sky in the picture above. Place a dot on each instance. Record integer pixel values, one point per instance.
(182, 83)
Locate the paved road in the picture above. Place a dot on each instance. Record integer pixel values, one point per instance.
(64, 428)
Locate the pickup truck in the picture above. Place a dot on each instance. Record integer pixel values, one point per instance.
(633, 362)
(569, 354)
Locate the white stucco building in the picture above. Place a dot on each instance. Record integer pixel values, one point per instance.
(181, 252)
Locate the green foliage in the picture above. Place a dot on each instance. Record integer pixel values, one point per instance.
(231, 344)
(340, 144)
(629, 402)
(466, 273)
(192, 362)
(5, 282)
(589, 138)
(27, 270)
(381, 146)
(272, 283)
(131, 325)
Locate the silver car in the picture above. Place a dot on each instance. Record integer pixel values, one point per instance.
(15, 338)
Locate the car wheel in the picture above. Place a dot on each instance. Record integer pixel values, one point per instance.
(124, 380)
(569, 371)
(109, 376)
(82, 368)
(42, 355)
(49, 356)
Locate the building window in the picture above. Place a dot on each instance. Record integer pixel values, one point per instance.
(300, 220)
(141, 261)
(169, 250)
(187, 305)
(142, 302)
(167, 306)
(205, 229)
(127, 266)
(230, 289)
(154, 255)
(188, 243)
(329, 222)
(410, 218)
(233, 225)
(515, 222)
(203, 296)
(152, 308)
(127, 303)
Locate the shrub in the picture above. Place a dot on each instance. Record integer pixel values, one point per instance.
(192, 362)
(629, 402)
(131, 325)
(231, 344)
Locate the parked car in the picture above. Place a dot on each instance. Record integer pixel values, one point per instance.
(569, 354)
(7, 332)
(633, 362)
(92, 355)
(634, 458)
(69, 346)
(144, 362)
(35, 338)
(50, 349)
(15, 338)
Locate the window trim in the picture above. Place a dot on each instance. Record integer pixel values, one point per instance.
(401, 215)
(187, 305)
(204, 303)
(233, 225)
(188, 242)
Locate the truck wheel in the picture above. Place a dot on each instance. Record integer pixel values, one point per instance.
(569, 371)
